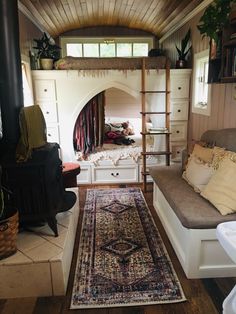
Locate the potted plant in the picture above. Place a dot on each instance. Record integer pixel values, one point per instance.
(48, 52)
(8, 223)
(183, 51)
(212, 22)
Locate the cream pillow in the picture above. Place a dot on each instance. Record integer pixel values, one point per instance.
(203, 153)
(197, 173)
(221, 189)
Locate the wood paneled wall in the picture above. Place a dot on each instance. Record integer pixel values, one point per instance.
(223, 103)
(28, 31)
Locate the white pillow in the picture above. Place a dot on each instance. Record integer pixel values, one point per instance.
(221, 189)
(197, 173)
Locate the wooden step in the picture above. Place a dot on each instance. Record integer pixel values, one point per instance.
(155, 133)
(155, 112)
(154, 92)
(156, 153)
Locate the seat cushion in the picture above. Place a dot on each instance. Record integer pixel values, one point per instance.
(192, 209)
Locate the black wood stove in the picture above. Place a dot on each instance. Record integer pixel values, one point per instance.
(37, 187)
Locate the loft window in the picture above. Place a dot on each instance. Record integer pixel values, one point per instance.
(201, 89)
(106, 47)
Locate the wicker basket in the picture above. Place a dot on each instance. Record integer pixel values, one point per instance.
(8, 234)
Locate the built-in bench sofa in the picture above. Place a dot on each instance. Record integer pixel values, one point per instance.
(190, 220)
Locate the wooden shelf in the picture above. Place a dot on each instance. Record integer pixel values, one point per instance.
(228, 79)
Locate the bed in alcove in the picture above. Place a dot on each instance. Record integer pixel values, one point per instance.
(108, 128)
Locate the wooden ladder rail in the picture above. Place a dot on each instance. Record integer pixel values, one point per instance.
(167, 112)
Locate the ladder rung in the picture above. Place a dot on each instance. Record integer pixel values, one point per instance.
(155, 92)
(157, 153)
(155, 133)
(155, 112)
(146, 173)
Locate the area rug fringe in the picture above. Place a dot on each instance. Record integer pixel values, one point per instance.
(79, 289)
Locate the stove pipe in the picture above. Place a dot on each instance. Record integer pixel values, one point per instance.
(11, 88)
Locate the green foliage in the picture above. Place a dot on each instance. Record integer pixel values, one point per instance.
(214, 18)
(46, 48)
(183, 50)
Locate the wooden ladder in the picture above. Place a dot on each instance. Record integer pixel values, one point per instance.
(144, 114)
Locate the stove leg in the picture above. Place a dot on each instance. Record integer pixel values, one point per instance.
(52, 222)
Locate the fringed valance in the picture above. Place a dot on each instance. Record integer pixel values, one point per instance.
(72, 63)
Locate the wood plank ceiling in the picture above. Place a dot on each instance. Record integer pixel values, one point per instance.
(155, 16)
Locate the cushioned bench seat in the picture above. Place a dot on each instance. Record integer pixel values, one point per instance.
(193, 211)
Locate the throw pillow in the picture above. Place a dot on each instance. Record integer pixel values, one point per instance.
(221, 189)
(197, 174)
(203, 153)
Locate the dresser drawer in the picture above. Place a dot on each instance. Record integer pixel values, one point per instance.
(178, 131)
(52, 134)
(44, 89)
(49, 110)
(179, 110)
(84, 177)
(179, 87)
(117, 174)
(176, 150)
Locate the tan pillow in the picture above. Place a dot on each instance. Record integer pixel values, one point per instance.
(203, 153)
(197, 174)
(221, 189)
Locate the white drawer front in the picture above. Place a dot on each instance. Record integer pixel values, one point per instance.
(115, 174)
(84, 177)
(49, 110)
(176, 150)
(178, 131)
(45, 89)
(179, 87)
(179, 110)
(52, 134)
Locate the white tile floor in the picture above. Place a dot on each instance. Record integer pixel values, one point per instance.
(42, 263)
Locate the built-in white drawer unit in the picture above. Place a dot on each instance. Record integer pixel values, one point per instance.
(84, 177)
(49, 110)
(179, 110)
(180, 87)
(176, 150)
(178, 130)
(44, 89)
(52, 134)
(118, 174)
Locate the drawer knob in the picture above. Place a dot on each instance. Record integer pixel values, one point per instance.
(179, 88)
(179, 110)
(177, 131)
(178, 151)
(49, 134)
(114, 174)
(45, 90)
(47, 112)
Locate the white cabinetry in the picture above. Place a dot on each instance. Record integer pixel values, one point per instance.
(45, 97)
(179, 107)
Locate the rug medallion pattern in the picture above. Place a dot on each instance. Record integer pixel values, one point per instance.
(122, 260)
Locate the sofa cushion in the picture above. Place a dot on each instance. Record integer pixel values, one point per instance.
(193, 210)
(221, 189)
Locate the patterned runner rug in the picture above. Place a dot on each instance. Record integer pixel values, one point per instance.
(122, 260)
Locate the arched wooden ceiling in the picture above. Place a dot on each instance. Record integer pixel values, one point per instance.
(155, 16)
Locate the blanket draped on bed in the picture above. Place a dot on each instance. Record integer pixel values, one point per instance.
(89, 126)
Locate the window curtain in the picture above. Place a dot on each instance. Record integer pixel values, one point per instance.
(89, 126)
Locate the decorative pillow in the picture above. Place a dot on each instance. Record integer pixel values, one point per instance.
(203, 153)
(197, 173)
(221, 189)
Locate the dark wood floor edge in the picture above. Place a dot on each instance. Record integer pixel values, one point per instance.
(214, 292)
